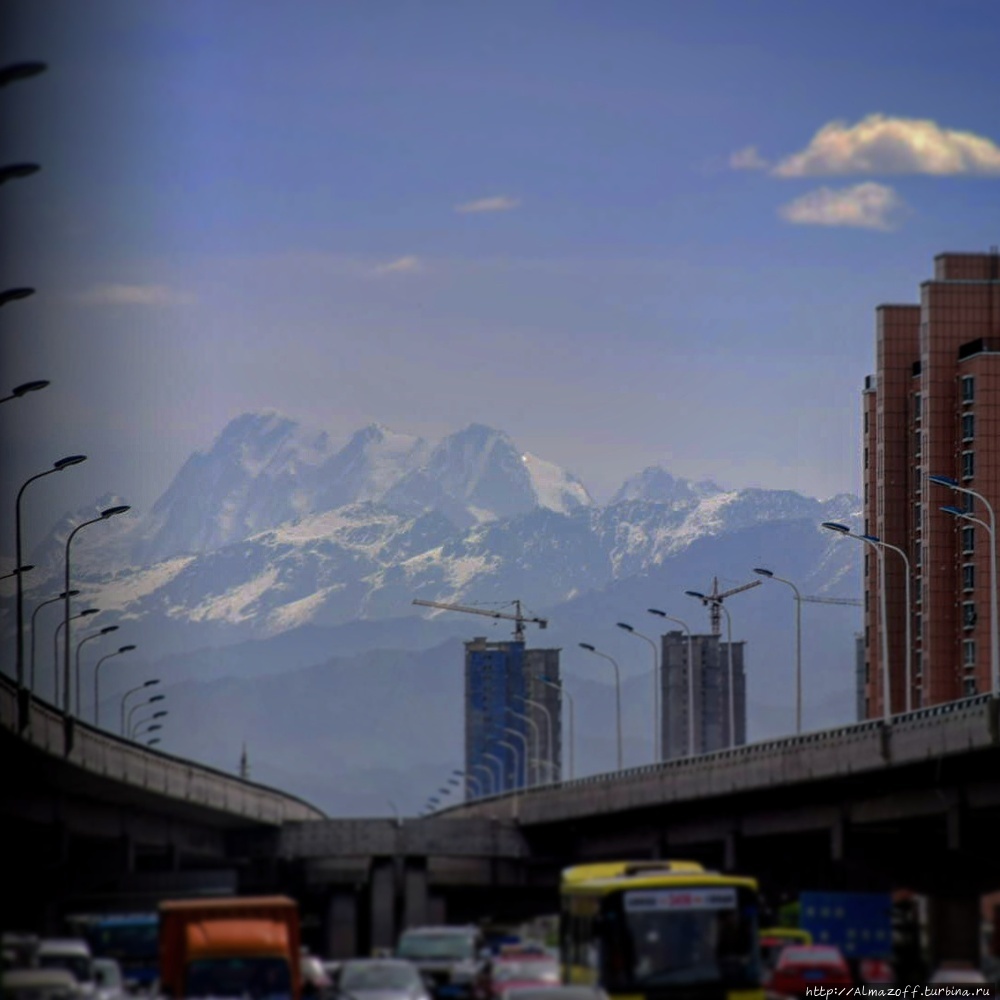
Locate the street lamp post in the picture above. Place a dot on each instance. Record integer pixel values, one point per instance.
(20, 71)
(16, 171)
(135, 708)
(514, 753)
(125, 696)
(953, 484)
(63, 463)
(690, 685)
(489, 774)
(706, 599)
(107, 630)
(55, 651)
(103, 516)
(34, 615)
(657, 685)
(15, 295)
(500, 785)
(97, 676)
(17, 572)
(550, 742)
(525, 751)
(843, 529)
(535, 732)
(767, 574)
(875, 540)
(618, 694)
(561, 688)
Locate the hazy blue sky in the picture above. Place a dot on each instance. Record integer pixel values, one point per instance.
(612, 229)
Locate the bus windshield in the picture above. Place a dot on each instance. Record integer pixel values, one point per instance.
(125, 941)
(667, 937)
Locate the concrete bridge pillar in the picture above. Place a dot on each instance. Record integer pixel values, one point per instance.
(953, 925)
(382, 888)
(416, 908)
(341, 926)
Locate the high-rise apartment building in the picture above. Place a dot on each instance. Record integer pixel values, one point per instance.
(710, 693)
(513, 721)
(932, 409)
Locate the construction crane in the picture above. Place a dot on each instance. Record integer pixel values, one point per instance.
(517, 618)
(714, 601)
(835, 600)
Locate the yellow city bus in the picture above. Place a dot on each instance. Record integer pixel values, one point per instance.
(657, 930)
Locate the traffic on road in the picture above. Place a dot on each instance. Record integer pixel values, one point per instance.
(642, 930)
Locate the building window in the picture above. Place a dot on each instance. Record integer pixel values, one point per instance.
(968, 464)
(918, 626)
(918, 663)
(969, 614)
(969, 652)
(867, 600)
(867, 636)
(916, 443)
(918, 555)
(968, 388)
(968, 540)
(866, 421)
(968, 426)
(968, 576)
(969, 686)
(868, 672)
(918, 407)
(866, 494)
(866, 458)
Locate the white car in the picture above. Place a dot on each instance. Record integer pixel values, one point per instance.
(39, 984)
(109, 983)
(71, 954)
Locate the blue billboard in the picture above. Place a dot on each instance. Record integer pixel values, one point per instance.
(858, 923)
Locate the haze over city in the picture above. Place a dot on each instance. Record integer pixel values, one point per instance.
(624, 234)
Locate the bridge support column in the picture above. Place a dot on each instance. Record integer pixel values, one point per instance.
(730, 852)
(415, 897)
(953, 923)
(341, 930)
(383, 903)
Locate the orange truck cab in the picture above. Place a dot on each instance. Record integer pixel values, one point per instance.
(239, 947)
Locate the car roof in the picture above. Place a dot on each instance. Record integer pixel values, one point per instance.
(64, 945)
(39, 977)
(810, 953)
(444, 929)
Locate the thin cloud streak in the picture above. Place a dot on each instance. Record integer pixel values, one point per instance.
(747, 159)
(864, 206)
(495, 203)
(402, 265)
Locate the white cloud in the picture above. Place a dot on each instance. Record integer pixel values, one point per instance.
(402, 265)
(747, 159)
(496, 203)
(865, 206)
(137, 295)
(882, 145)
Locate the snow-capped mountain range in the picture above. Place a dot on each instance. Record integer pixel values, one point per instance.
(273, 528)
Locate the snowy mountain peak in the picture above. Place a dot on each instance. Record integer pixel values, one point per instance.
(656, 484)
(554, 488)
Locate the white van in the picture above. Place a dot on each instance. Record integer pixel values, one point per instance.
(71, 954)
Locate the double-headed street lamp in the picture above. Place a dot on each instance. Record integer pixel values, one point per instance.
(139, 723)
(550, 742)
(768, 575)
(125, 697)
(103, 516)
(97, 678)
(34, 614)
(17, 572)
(525, 750)
(24, 388)
(657, 685)
(500, 785)
(107, 630)
(843, 529)
(15, 171)
(706, 599)
(13, 72)
(536, 732)
(618, 694)
(15, 295)
(991, 528)
(489, 774)
(690, 657)
(63, 463)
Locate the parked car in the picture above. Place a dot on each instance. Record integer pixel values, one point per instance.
(520, 970)
(39, 984)
(108, 980)
(453, 958)
(382, 979)
(316, 981)
(554, 993)
(956, 972)
(71, 954)
(802, 966)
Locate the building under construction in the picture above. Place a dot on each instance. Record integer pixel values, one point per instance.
(710, 693)
(513, 722)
